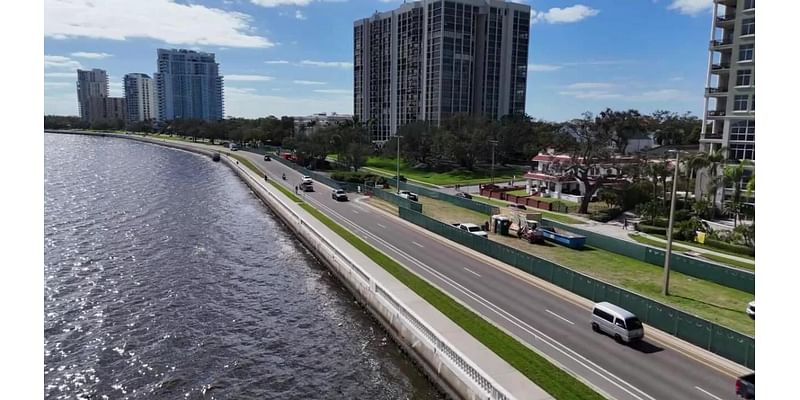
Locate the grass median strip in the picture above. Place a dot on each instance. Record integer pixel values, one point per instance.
(539, 370)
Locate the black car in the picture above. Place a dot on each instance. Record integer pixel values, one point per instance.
(464, 195)
(267, 158)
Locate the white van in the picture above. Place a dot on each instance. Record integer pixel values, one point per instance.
(233, 147)
(617, 322)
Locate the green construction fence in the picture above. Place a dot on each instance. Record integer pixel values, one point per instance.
(700, 332)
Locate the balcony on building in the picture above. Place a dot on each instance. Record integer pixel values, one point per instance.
(713, 131)
(727, 20)
(716, 91)
(716, 113)
(721, 67)
(726, 3)
(721, 44)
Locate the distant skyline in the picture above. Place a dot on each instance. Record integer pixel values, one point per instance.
(294, 57)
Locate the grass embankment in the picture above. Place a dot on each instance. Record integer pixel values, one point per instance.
(388, 166)
(539, 370)
(713, 257)
(560, 217)
(707, 247)
(552, 379)
(716, 303)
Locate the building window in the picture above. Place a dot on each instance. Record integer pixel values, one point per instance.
(743, 77)
(753, 103)
(749, 4)
(742, 151)
(746, 52)
(748, 26)
(743, 130)
(740, 102)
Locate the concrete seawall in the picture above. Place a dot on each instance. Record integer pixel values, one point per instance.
(456, 362)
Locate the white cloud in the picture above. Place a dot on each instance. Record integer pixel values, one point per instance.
(664, 95)
(590, 90)
(61, 75)
(676, 78)
(299, 15)
(276, 62)
(253, 105)
(275, 3)
(589, 85)
(238, 90)
(334, 91)
(90, 55)
(60, 62)
(60, 84)
(302, 82)
(247, 78)
(164, 20)
(557, 15)
(543, 67)
(690, 7)
(328, 64)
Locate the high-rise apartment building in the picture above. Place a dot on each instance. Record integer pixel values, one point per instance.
(432, 59)
(140, 98)
(92, 84)
(188, 85)
(729, 119)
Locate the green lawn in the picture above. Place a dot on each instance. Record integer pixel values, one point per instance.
(388, 167)
(716, 303)
(707, 247)
(722, 260)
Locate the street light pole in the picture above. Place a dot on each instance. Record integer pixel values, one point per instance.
(667, 256)
(398, 163)
(494, 144)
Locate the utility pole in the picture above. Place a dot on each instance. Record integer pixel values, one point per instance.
(398, 163)
(667, 256)
(494, 144)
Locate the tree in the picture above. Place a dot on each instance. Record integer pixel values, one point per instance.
(714, 159)
(732, 175)
(416, 141)
(622, 125)
(670, 128)
(466, 141)
(589, 145)
(694, 163)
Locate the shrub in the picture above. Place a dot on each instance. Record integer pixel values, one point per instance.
(606, 215)
(635, 194)
(687, 230)
(654, 230)
(734, 248)
(682, 215)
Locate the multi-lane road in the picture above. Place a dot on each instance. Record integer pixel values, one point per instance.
(533, 312)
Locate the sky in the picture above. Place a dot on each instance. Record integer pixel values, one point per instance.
(294, 57)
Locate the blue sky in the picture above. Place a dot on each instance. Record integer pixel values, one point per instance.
(294, 57)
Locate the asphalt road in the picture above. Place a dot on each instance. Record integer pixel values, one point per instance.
(558, 328)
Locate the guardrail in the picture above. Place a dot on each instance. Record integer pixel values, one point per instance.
(467, 367)
(700, 332)
(726, 276)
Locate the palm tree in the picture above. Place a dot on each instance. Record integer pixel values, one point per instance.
(694, 163)
(715, 159)
(732, 175)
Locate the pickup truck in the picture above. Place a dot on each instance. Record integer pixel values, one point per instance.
(472, 228)
(408, 195)
(746, 386)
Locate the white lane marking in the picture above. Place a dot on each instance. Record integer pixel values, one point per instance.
(417, 244)
(354, 211)
(382, 226)
(558, 316)
(473, 272)
(537, 334)
(706, 392)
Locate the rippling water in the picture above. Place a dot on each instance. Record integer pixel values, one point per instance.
(166, 278)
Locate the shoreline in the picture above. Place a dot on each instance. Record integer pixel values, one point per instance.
(388, 302)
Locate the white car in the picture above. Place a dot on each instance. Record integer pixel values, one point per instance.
(306, 179)
(473, 229)
(751, 309)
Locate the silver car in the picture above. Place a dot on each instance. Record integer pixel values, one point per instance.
(616, 322)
